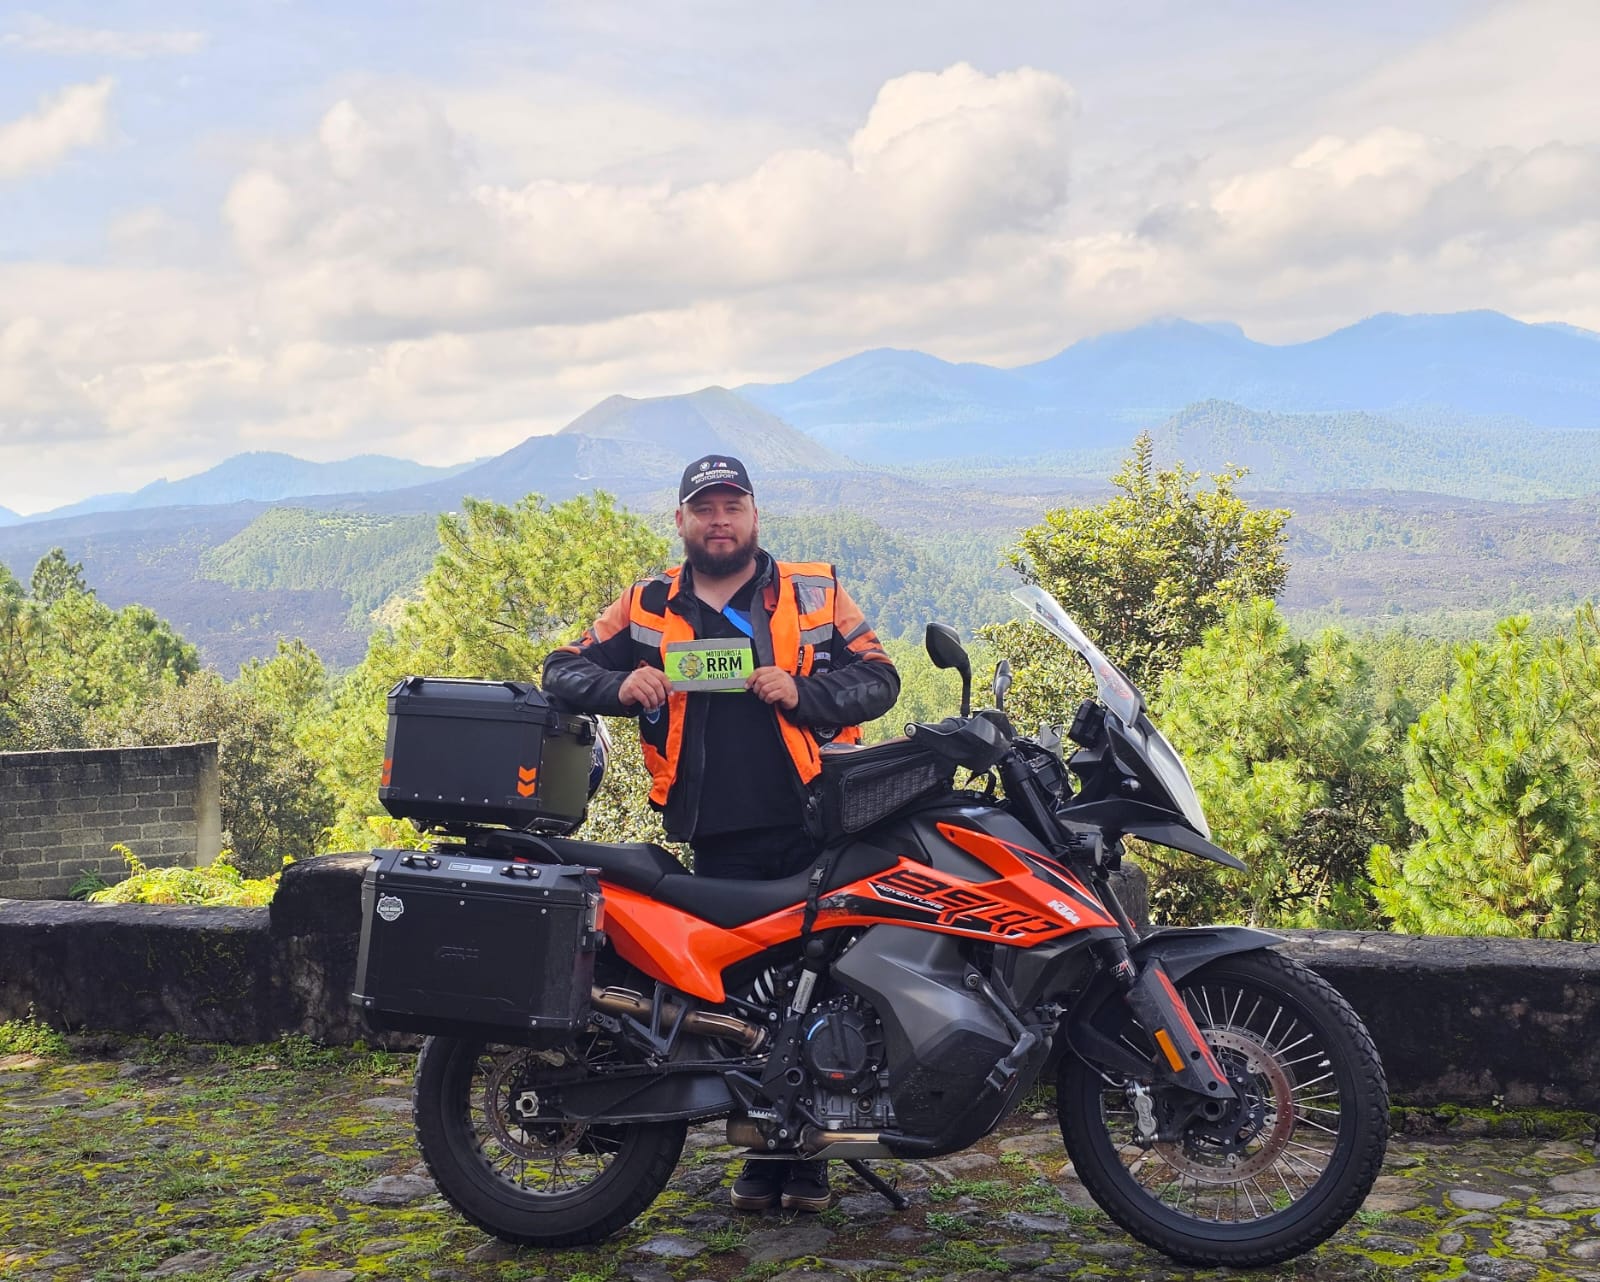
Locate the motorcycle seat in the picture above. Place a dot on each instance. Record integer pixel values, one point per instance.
(726, 902)
(638, 865)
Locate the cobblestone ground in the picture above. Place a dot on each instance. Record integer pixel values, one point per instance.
(288, 1162)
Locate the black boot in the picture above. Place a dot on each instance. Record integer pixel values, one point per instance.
(759, 1186)
(805, 1187)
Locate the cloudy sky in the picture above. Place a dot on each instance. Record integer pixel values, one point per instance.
(430, 229)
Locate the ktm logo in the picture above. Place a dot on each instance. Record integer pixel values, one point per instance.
(527, 780)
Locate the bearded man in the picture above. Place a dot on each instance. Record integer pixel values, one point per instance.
(739, 668)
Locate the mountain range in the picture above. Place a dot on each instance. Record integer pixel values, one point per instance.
(1433, 463)
(891, 406)
(261, 476)
(1477, 376)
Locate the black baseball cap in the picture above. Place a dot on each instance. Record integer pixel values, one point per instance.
(713, 469)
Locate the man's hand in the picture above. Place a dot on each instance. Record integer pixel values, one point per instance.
(648, 687)
(774, 685)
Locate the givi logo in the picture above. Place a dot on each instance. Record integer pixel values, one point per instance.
(527, 780)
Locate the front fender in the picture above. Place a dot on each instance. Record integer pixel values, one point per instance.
(1181, 949)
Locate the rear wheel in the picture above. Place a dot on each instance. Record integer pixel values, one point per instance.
(525, 1178)
(1290, 1163)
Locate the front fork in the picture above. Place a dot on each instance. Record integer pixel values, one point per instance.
(1182, 1057)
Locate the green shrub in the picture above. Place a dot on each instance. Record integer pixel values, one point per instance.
(30, 1037)
(218, 884)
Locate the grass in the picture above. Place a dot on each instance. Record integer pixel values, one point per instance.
(989, 1192)
(722, 1241)
(951, 1226)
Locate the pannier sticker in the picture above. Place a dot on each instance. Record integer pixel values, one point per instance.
(455, 867)
(390, 907)
(1066, 911)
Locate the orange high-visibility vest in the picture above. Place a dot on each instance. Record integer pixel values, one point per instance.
(802, 619)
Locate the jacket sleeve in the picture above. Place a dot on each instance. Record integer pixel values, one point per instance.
(586, 675)
(861, 684)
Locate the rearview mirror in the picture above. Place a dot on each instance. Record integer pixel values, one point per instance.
(945, 649)
(1002, 683)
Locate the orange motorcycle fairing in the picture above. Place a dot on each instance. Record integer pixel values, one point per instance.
(1085, 909)
(1018, 908)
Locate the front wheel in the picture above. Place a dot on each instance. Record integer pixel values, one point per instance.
(527, 1180)
(1290, 1163)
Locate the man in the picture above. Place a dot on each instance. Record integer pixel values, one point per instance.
(769, 660)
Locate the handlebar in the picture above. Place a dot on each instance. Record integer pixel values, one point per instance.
(977, 742)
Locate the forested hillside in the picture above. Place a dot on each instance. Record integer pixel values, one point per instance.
(234, 579)
(369, 558)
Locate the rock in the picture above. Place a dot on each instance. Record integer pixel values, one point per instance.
(1511, 1270)
(853, 1267)
(865, 1207)
(774, 1246)
(1472, 1200)
(1532, 1238)
(1393, 1245)
(1565, 1203)
(386, 1104)
(250, 1274)
(393, 1190)
(1035, 1222)
(804, 1274)
(1033, 1144)
(1393, 1194)
(1584, 1181)
(706, 1221)
(382, 1246)
(279, 1230)
(956, 1165)
(905, 1233)
(494, 1251)
(1027, 1253)
(323, 1275)
(176, 1266)
(1585, 1251)
(1450, 1243)
(1107, 1250)
(671, 1247)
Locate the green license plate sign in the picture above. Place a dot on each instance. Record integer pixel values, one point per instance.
(709, 665)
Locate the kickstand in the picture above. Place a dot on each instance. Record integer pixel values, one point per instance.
(877, 1183)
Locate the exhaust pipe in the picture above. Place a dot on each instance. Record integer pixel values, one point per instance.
(624, 1001)
(848, 1145)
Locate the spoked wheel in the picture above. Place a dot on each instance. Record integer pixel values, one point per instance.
(517, 1172)
(1286, 1165)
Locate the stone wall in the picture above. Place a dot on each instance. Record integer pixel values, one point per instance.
(1477, 1022)
(62, 811)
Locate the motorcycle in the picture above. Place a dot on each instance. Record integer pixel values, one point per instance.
(1221, 1102)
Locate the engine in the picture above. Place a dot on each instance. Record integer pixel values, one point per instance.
(843, 1053)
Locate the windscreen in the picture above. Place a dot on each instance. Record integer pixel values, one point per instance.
(1119, 694)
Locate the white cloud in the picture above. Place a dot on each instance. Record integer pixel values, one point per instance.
(442, 276)
(1520, 75)
(75, 117)
(36, 34)
(380, 225)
